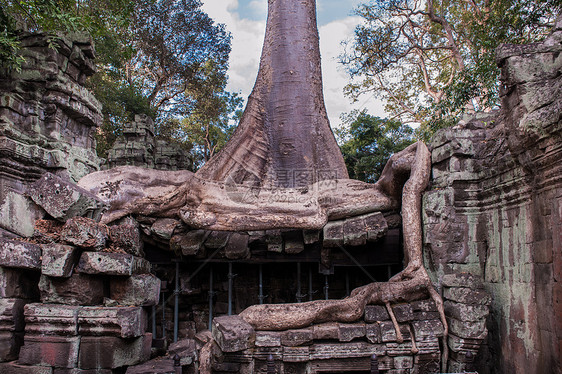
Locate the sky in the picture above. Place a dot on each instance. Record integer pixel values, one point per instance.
(245, 19)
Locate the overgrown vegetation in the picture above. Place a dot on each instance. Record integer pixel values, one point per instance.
(432, 60)
(163, 58)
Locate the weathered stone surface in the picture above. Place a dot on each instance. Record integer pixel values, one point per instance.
(233, 334)
(311, 236)
(16, 283)
(217, 239)
(347, 332)
(458, 344)
(345, 350)
(376, 226)
(18, 213)
(469, 330)
(81, 371)
(10, 344)
(295, 338)
(403, 312)
(158, 365)
(373, 332)
(15, 368)
(268, 339)
(428, 329)
(11, 315)
(274, 241)
(296, 354)
(62, 199)
(136, 290)
(333, 234)
(51, 319)
(58, 260)
(462, 280)
(190, 243)
(79, 289)
(107, 352)
(326, 331)
(112, 264)
(22, 255)
(124, 322)
(467, 296)
(293, 241)
(186, 349)
(126, 237)
(374, 313)
(464, 312)
(354, 231)
(85, 233)
(163, 228)
(237, 247)
(388, 332)
(45, 350)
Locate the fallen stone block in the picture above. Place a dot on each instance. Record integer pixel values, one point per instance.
(127, 238)
(10, 344)
(136, 290)
(58, 260)
(51, 319)
(11, 315)
(237, 247)
(45, 350)
(295, 338)
(108, 352)
(19, 284)
(63, 200)
(374, 313)
(112, 264)
(349, 331)
(20, 255)
(233, 334)
(85, 233)
(79, 289)
(15, 368)
(124, 322)
(186, 349)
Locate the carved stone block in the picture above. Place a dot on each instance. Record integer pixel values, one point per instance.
(51, 319)
(58, 260)
(124, 322)
(233, 334)
(294, 338)
(112, 264)
(108, 352)
(348, 332)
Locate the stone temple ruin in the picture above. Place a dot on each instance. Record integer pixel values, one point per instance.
(262, 263)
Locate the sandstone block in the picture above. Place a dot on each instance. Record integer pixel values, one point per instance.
(311, 236)
(458, 344)
(20, 284)
(136, 290)
(333, 234)
(376, 226)
(44, 350)
(15, 368)
(294, 242)
(217, 239)
(79, 289)
(51, 319)
(296, 354)
(58, 260)
(186, 349)
(21, 255)
(462, 280)
(274, 241)
(374, 313)
(354, 232)
(112, 264)
(11, 315)
(388, 332)
(295, 338)
(347, 332)
(233, 334)
(158, 365)
(63, 200)
(190, 243)
(373, 332)
(465, 329)
(237, 247)
(268, 339)
(163, 228)
(467, 296)
(464, 312)
(124, 322)
(326, 331)
(403, 312)
(10, 344)
(81, 371)
(85, 233)
(107, 352)
(428, 329)
(127, 238)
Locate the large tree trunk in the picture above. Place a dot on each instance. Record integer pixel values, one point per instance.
(284, 137)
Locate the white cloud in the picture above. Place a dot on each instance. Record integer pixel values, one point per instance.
(247, 43)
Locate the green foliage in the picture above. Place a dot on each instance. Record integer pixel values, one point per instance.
(367, 142)
(433, 61)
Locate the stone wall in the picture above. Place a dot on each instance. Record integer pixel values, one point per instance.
(495, 209)
(47, 122)
(139, 147)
